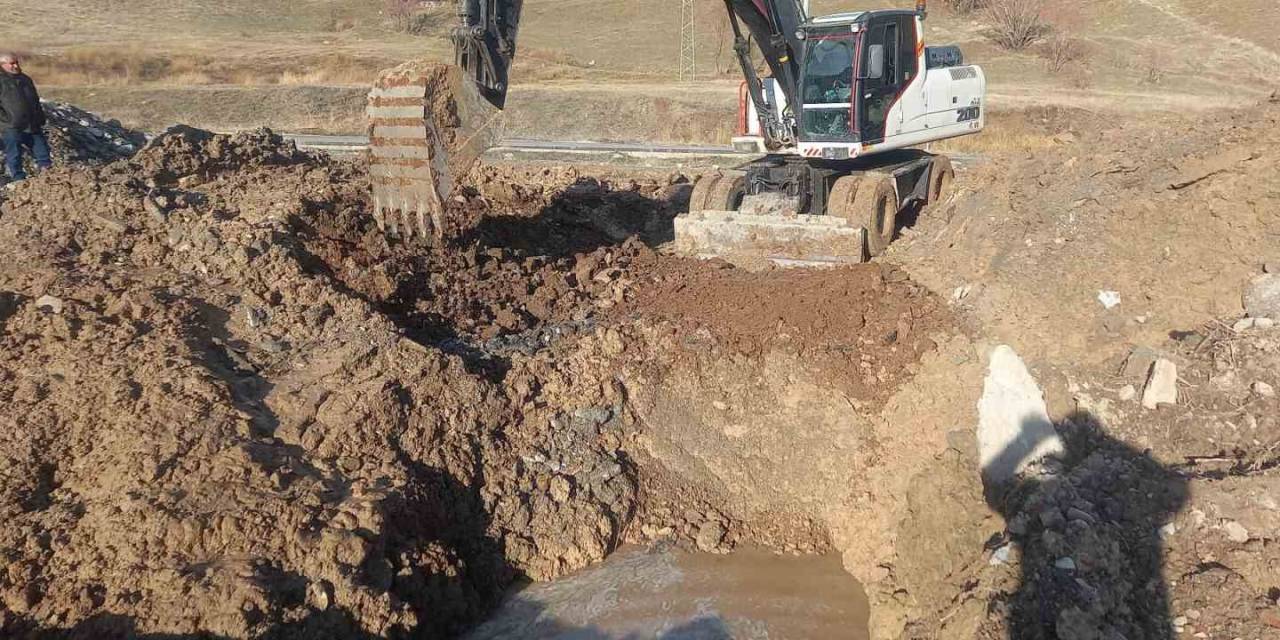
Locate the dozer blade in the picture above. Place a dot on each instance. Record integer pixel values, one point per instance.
(755, 240)
(427, 126)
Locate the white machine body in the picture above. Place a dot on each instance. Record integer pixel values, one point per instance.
(906, 94)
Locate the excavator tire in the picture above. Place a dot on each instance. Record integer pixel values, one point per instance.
(941, 177)
(701, 196)
(718, 192)
(874, 207)
(840, 200)
(727, 194)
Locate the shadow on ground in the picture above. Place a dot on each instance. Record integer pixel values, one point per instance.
(585, 216)
(1089, 537)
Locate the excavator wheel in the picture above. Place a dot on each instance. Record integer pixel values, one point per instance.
(874, 207)
(701, 195)
(941, 177)
(718, 192)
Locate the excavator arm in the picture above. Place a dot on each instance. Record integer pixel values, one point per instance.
(429, 123)
(485, 42)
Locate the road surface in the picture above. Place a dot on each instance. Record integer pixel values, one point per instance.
(355, 144)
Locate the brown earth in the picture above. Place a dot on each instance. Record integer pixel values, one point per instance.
(1167, 515)
(233, 408)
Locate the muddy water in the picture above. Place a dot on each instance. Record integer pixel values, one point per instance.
(659, 593)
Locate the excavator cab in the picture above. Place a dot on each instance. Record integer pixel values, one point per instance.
(865, 84)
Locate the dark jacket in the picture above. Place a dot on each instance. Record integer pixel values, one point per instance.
(19, 103)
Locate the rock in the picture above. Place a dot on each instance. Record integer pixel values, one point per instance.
(1236, 532)
(1262, 298)
(560, 489)
(1076, 514)
(154, 209)
(1128, 393)
(1263, 323)
(1168, 530)
(77, 136)
(1162, 386)
(1109, 299)
(320, 594)
(1263, 390)
(1138, 365)
(53, 304)
(1001, 555)
(710, 535)
(1052, 519)
(1243, 324)
(1066, 564)
(274, 346)
(1014, 429)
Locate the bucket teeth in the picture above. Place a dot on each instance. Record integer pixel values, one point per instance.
(427, 125)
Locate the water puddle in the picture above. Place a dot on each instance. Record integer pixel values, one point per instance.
(668, 594)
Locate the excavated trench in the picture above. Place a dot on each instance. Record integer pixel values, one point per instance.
(254, 416)
(772, 411)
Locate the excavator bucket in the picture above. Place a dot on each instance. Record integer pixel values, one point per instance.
(428, 125)
(757, 240)
(755, 231)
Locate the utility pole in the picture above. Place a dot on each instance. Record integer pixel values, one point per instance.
(688, 46)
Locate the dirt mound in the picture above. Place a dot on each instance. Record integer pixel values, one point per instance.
(1173, 224)
(225, 387)
(1122, 246)
(198, 413)
(78, 136)
(865, 325)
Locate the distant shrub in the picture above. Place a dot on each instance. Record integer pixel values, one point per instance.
(1061, 50)
(1016, 24)
(966, 7)
(401, 13)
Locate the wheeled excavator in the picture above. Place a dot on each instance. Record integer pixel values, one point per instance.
(834, 121)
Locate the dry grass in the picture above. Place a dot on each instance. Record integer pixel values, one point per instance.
(1061, 50)
(95, 65)
(965, 7)
(119, 45)
(1008, 132)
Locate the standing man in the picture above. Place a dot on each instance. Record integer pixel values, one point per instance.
(21, 118)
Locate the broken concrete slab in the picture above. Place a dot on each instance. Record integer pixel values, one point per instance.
(1138, 365)
(1014, 429)
(1263, 390)
(1262, 297)
(1162, 385)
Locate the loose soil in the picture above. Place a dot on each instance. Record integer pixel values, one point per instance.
(225, 387)
(235, 409)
